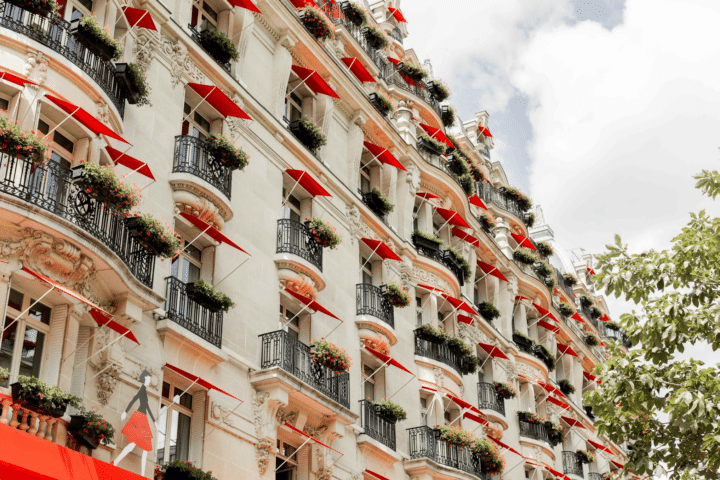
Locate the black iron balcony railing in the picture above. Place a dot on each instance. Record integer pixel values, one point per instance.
(391, 74)
(196, 36)
(443, 257)
(572, 464)
(293, 129)
(294, 237)
(396, 35)
(534, 430)
(280, 349)
(53, 32)
(191, 315)
(373, 204)
(439, 352)
(588, 315)
(49, 186)
(192, 157)
(488, 193)
(489, 398)
(616, 335)
(375, 425)
(563, 284)
(371, 301)
(425, 442)
(596, 476)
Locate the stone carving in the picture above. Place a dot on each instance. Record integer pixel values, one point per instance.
(263, 449)
(431, 279)
(512, 285)
(439, 377)
(355, 224)
(258, 408)
(413, 178)
(36, 59)
(181, 65)
(191, 199)
(315, 431)
(286, 417)
(324, 473)
(143, 50)
(223, 414)
(525, 369)
(106, 381)
(298, 278)
(103, 112)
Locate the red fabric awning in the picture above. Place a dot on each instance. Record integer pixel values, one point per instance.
(544, 312)
(605, 318)
(67, 291)
(589, 375)
(427, 195)
(493, 351)
(602, 447)
(314, 81)
(388, 359)
(576, 316)
(523, 241)
(376, 475)
(383, 155)
(520, 297)
(248, 4)
(572, 422)
(132, 163)
(556, 473)
(551, 388)
(566, 349)
(211, 231)
(138, 17)
(464, 319)
(484, 131)
(219, 101)
(437, 134)
(557, 402)
(306, 181)
(476, 418)
(199, 381)
(296, 430)
(312, 304)
(396, 13)
(465, 236)
(462, 403)
(506, 447)
(617, 464)
(101, 319)
(475, 200)
(428, 388)
(381, 249)
(458, 304)
(591, 271)
(428, 287)
(492, 270)
(9, 77)
(546, 325)
(358, 69)
(453, 218)
(87, 120)
(303, 3)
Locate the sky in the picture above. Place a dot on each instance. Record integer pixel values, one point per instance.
(602, 110)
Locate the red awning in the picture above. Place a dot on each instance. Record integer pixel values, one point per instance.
(428, 287)
(605, 318)
(437, 134)
(88, 121)
(303, 3)
(310, 437)
(307, 182)
(546, 325)
(462, 403)
(617, 464)
(453, 218)
(458, 304)
(566, 349)
(312, 304)
(199, 381)
(358, 69)
(101, 319)
(219, 101)
(476, 418)
(602, 447)
(556, 473)
(383, 155)
(475, 200)
(544, 312)
(589, 376)
(551, 388)
(376, 475)
(484, 131)
(492, 270)
(396, 13)
(427, 195)
(67, 291)
(465, 236)
(520, 297)
(388, 359)
(572, 422)
(381, 249)
(506, 447)
(576, 316)
(428, 388)
(464, 319)
(132, 163)
(245, 4)
(591, 271)
(211, 231)
(557, 402)
(314, 81)
(523, 241)
(493, 351)
(9, 77)
(138, 17)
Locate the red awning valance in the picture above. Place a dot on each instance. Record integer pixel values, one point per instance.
(101, 320)
(9, 77)
(602, 447)
(544, 312)
(198, 380)
(520, 297)
(576, 316)
(465, 236)
(458, 304)
(484, 131)
(617, 464)
(137, 17)
(465, 319)
(314, 81)
(557, 402)
(463, 404)
(475, 200)
(381, 249)
(492, 270)
(589, 375)
(506, 447)
(476, 418)
(383, 155)
(219, 101)
(396, 13)
(592, 272)
(248, 4)
(211, 231)
(437, 134)
(388, 360)
(132, 163)
(311, 304)
(556, 473)
(546, 325)
(427, 195)
(358, 69)
(605, 318)
(67, 291)
(451, 217)
(430, 288)
(306, 181)
(566, 349)
(523, 241)
(493, 351)
(375, 475)
(87, 120)
(572, 422)
(551, 388)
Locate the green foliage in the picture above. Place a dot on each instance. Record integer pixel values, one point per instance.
(46, 397)
(523, 201)
(491, 459)
(505, 390)
(217, 40)
(215, 296)
(436, 144)
(468, 184)
(566, 309)
(455, 435)
(457, 344)
(530, 417)
(586, 301)
(448, 116)
(525, 256)
(390, 409)
(317, 23)
(458, 165)
(156, 236)
(324, 233)
(585, 457)
(524, 337)
(544, 248)
(611, 325)
(487, 221)
(385, 104)
(96, 427)
(566, 387)
(376, 38)
(397, 296)
(16, 142)
(595, 312)
(181, 469)
(138, 79)
(330, 356)
(379, 197)
(488, 310)
(312, 132)
(428, 236)
(570, 279)
(460, 258)
(530, 219)
(548, 357)
(4, 374)
(439, 90)
(544, 269)
(224, 150)
(411, 70)
(355, 13)
(50, 6)
(92, 29)
(591, 339)
(433, 332)
(102, 183)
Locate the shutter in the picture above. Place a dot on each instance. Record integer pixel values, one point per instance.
(185, 125)
(54, 344)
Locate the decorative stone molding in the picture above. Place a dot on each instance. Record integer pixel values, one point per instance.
(263, 449)
(420, 275)
(315, 431)
(182, 67)
(193, 200)
(103, 112)
(439, 377)
(223, 415)
(35, 67)
(413, 178)
(106, 380)
(297, 278)
(286, 417)
(528, 370)
(355, 224)
(144, 50)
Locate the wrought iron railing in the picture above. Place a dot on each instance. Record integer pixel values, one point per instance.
(196, 36)
(375, 425)
(371, 301)
(289, 125)
(595, 476)
(443, 257)
(439, 352)
(488, 193)
(595, 322)
(192, 157)
(391, 74)
(49, 186)
(534, 430)
(616, 335)
(572, 464)
(373, 204)
(396, 35)
(489, 398)
(425, 442)
(191, 315)
(563, 284)
(294, 237)
(280, 349)
(53, 32)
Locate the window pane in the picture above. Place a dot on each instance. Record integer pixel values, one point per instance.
(192, 251)
(8, 344)
(63, 141)
(179, 438)
(193, 272)
(16, 299)
(369, 391)
(162, 427)
(174, 267)
(185, 399)
(87, 4)
(166, 390)
(31, 358)
(43, 127)
(4, 104)
(40, 312)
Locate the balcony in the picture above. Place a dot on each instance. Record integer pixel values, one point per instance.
(489, 398)
(294, 238)
(396, 35)
(437, 352)
(376, 426)
(53, 32)
(488, 193)
(596, 476)
(373, 204)
(443, 257)
(197, 37)
(371, 301)
(192, 157)
(191, 315)
(391, 75)
(425, 442)
(616, 335)
(282, 350)
(49, 186)
(572, 464)
(563, 284)
(534, 431)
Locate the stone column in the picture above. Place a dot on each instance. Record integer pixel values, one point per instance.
(28, 110)
(282, 61)
(265, 405)
(432, 311)
(407, 187)
(502, 232)
(5, 283)
(390, 182)
(521, 324)
(403, 122)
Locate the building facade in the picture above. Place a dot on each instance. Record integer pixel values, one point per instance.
(238, 392)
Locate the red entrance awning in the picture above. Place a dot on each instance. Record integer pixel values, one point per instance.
(464, 319)
(314, 81)
(396, 13)
(199, 381)
(245, 4)
(312, 304)
(388, 359)
(132, 163)
(383, 155)
(476, 418)
(544, 312)
(137, 17)
(211, 231)
(67, 291)
(9, 77)
(101, 320)
(381, 249)
(307, 182)
(602, 447)
(484, 131)
(465, 236)
(87, 120)
(617, 464)
(375, 475)
(451, 217)
(492, 270)
(219, 101)
(506, 447)
(566, 349)
(572, 422)
(427, 195)
(576, 316)
(523, 241)
(475, 200)
(546, 325)
(557, 402)
(358, 69)
(493, 351)
(458, 304)
(437, 134)
(306, 435)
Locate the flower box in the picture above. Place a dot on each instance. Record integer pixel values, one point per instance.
(101, 183)
(523, 201)
(430, 334)
(204, 294)
(377, 202)
(77, 427)
(316, 23)
(391, 412)
(412, 71)
(565, 309)
(323, 233)
(218, 45)
(426, 243)
(487, 222)
(458, 346)
(381, 103)
(523, 341)
(39, 7)
(455, 435)
(591, 339)
(543, 269)
(457, 260)
(353, 13)
(488, 311)
(426, 144)
(469, 364)
(181, 470)
(531, 417)
(456, 164)
(555, 432)
(129, 83)
(307, 133)
(566, 387)
(542, 352)
(330, 356)
(545, 249)
(396, 296)
(447, 115)
(19, 143)
(586, 301)
(524, 256)
(585, 457)
(159, 240)
(595, 312)
(487, 453)
(438, 90)
(612, 326)
(92, 36)
(222, 149)
(375, 38)
(40, 397)
(505, 390)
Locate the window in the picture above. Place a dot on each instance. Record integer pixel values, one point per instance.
(365, 184)
(447, 417)
(286, 462)
(4, 104)
(81, 8)
(293, 107)
(195, 125)
(291, 208)
(186, 266)
(368, 382)
(418, 311)
(290, 326)
(424, 410)
(415, 218)
(203, 14)
(173, 431)
(57, 138)
(23, 343)
(367, 271)
(299, 100)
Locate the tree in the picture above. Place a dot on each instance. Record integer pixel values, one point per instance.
(667, 409)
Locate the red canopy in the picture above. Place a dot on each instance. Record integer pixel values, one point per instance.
(484, 131)
(458, 304)
(464, 319)
(302, 3)
(199, 381)
(314, 81)
(476, 418)
(396, 13)
(465, 236)
(552, 328)
(602, 447)
(566, 349)
(101, 319)
(551, 388)
(312, 304)
(67, 291)
(427, 195)
(307, 182)
(219, 101)
(381, 249)
(605, 318)
(493, 351)
(520, 297)
(591, 271)
(9, 77)
(492, 270)
(576, 316)
(462, 403)
(556, 473)
(428, 287)
(453, 218)
(245, 4)
(589, 376)
(88, 121)
(557, 402)
(211, 231)
(138, 17)
(506, 447)
(358, 69)
(383, 155)
(310, 437)
(388, 359)
(475, 200)
(617, 464)
(523, 241)
(572, 422)
(132, 163)
(437, 134)
(376, 475)
(544, 312)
